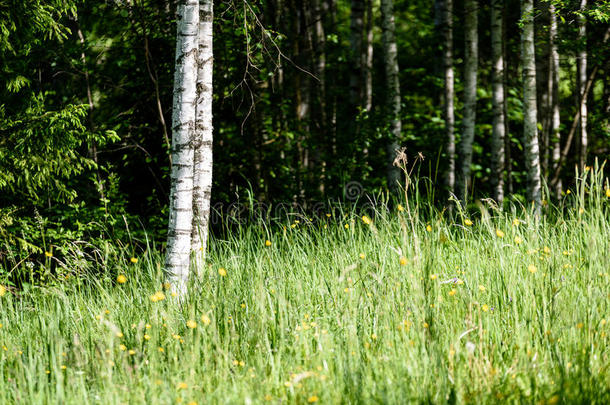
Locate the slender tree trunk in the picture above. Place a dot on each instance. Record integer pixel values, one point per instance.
(203, 134)
(356, 45)
(544, 96)
(582, 82)
(498, 123)
(392, 90)
(449, 93)
(530, 130)
(508, 162)
(368, 57)
(180, 227)
(554, 134)
(471, 8)
(320, 71)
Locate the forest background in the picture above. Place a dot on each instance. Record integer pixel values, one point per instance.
(300, 111)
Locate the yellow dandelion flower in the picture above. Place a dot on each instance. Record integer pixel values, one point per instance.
(148, 326)
(568, 191)
(428, 228)
(403, 261)
(267, 243)
(374, 336)
(546, 250)
(158, 296)
(191, 324)
(222, 271)
(516, 222)
(48, 254)
(433, 276)
(467, 222)
(2, 290)
(579, 325)
(346, 289)
(63, 367)
(481, 288)
(362, 255)
(146, 337)
(366, 220)
(518, 240)
(205, 319)
(426, 325)
(400, 208)
(123, 347)
(119, 334)
(452, 292)
(531, 268)
(121, 279)
(182, 386)
(133, 260)
(161, 350)
(346, 226)
(131, 352)
(485, 308)
(269, 397)
(312, 399)
(608, 192)
(499, 233)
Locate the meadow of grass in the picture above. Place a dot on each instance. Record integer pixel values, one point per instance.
(407, 305)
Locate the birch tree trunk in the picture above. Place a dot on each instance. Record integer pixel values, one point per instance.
(554, 134)
(368, 58)
(470, 97)
(582, 82)
(203, 139)
(392, 89)
(177, 262)
(530, 130)
(356, 45)
(449, 92)
(498, 122)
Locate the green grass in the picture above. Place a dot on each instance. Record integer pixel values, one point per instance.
(461, 318)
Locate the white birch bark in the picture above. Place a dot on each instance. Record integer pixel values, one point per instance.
(368, 58)
(498, 121)
(471, 8)
(555, 136)
(582, 82)
(530, 130)
(447, 18)
(177, 262)
(392, 89)
(203, 135)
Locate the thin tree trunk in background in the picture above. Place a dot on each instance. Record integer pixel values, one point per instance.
(498, 123)
(508, 163)
(449, 93)
(356, 46)
(471, 63)
(530, 130)
(582, 82)
(368, 57)
(392, 90)
(554, 134)
(203, 134)
(320, 72)
(544, 97)
(177, 262)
